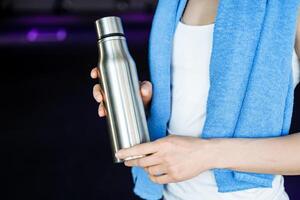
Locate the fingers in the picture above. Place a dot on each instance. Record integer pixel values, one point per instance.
(163, 179)
(156, 170)
(97, 93)
(146, 92)
(99, 98)
(144, 161)
(145, 87)
(101, 110)
(139, 149)
(95, 73)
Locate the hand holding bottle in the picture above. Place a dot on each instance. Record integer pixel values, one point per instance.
(145, 89)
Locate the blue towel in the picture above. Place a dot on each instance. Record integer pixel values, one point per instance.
(251, 92)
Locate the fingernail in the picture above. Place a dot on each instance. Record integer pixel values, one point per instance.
(144, 90)
(101, 114)
(98, 98)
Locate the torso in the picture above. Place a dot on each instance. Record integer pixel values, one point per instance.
(195, 36)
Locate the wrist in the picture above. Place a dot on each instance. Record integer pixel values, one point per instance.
(219, 152)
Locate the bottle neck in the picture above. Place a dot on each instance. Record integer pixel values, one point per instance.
(113, 47)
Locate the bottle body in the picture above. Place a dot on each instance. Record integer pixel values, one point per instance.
(119, 80)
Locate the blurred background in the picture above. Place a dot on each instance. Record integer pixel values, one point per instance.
(54, 145)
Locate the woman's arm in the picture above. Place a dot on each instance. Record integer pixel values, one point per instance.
(180, 158)
(279, 155)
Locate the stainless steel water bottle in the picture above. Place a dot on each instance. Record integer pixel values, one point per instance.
(119, 80)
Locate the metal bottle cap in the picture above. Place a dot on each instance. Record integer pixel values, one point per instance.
(109, 26)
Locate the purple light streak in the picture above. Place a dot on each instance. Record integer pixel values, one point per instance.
(61, 35)
(32, 35)
(36, 35)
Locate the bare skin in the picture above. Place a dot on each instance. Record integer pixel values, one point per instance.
(172, 155)
(200, 12)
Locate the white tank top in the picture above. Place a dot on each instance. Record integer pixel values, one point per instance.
(192, 47)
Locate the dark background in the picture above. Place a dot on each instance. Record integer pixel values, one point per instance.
(54, 144)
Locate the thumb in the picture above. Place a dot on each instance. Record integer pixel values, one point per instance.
(146, 92)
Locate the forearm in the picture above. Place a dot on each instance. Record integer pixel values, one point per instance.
(280, 155)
